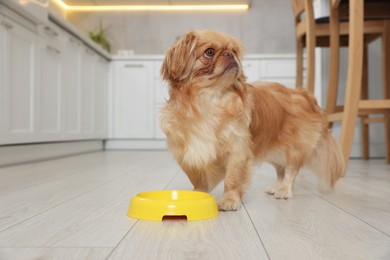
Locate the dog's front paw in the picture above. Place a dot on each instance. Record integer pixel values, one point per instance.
(283, 193)
(229, 205)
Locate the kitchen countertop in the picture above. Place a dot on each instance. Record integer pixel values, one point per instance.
(143, 57)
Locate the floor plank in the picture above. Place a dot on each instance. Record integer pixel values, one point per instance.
(96, 218)
(229, 236)
(14, 178)
(54, 253)
(68, 183)
(364, 193)
(308, 227)
(75, 208)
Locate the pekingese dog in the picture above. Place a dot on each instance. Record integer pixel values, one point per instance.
(217, 124)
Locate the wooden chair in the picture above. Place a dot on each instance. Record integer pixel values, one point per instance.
(311, 33)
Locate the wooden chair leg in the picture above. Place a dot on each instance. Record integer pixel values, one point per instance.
(364, 96)
(310, 46)
(386, 82)
(334, 60)
(299, 68)
(355, 66)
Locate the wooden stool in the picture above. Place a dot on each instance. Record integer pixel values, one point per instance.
(311, 33)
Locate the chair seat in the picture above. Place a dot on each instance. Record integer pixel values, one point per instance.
(325, 19)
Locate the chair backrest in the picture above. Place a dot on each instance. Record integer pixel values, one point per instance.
(298, 8)
(305, 29)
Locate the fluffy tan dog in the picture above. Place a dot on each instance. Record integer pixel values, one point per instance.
(217, 125)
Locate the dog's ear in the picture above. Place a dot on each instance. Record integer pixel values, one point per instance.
(180, 58)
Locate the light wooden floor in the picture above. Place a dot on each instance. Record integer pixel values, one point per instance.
(75, 208)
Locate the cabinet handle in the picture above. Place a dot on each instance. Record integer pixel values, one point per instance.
(52, 49)
(7, 25)
(50, 31)
(74, 41)
(89, 52)
(134, 65)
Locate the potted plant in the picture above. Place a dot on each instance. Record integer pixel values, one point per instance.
(100, 37)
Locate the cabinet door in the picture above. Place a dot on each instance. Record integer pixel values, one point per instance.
(133, 100)
(88, 61)
(161, 95)
(49, 99)
(18, 82)
(252, 70)
(101, 98)
(71, 91)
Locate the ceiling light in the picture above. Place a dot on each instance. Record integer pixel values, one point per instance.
(102, 8)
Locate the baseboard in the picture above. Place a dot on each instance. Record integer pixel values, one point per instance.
(15, 154)
(144, 144)
(377, 150)
(377, 147)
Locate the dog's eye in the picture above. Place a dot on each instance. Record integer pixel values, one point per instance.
(209, 52)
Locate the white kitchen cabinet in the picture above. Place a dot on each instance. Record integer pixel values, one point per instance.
(85, 87)
(101, 98)
(161, 95)
(88, 82)
(158, 133)
(71, 91)
(52, 86)
(18, 82)
(251, 69)
(49, 92)
(133, 101)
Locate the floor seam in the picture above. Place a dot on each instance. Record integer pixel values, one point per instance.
(344, 210)
(257, 232)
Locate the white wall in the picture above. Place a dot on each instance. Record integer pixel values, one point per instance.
(268, 27)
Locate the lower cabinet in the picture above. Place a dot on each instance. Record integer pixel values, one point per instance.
(101, 98)
(52, 87)
(139, 94)
(88, 81)
(48, 94)
(18, 82)
(133, 100)
(71, 94)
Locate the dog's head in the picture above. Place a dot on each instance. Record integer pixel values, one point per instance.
(203, 57)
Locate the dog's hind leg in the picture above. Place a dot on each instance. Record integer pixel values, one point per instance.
(280, 170)
(285, 190)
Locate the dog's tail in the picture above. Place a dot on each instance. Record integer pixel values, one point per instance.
(327, 160)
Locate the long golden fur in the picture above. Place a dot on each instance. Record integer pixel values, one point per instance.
(217, 124)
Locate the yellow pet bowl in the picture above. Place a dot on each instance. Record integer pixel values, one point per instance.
(155, 205)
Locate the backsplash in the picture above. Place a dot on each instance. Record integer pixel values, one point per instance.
(267, 27)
